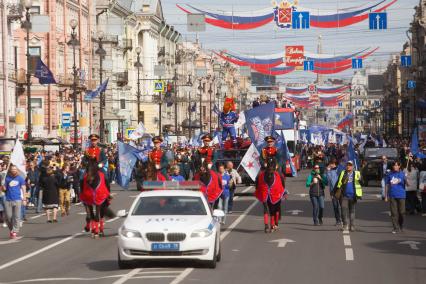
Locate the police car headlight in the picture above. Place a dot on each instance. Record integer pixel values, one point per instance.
(204, 233)
(129, 233)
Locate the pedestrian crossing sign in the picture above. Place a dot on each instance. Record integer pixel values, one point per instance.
(159, 86)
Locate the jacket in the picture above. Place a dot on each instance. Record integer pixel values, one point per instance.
(316, 189)
(274, 193)
(357, 183)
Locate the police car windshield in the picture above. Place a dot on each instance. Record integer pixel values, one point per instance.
(169, 205)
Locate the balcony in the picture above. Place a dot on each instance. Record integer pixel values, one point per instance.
(112, 39)
(122, 78)
(126, 44)
(67, 80)
(161, 51)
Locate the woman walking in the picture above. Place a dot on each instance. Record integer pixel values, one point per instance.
(395, 194)
(316, 183)
(50, 195)
(412, 175)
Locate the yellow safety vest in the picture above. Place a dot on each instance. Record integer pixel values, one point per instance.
(358, 189)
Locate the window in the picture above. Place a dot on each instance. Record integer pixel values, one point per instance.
(35, 10)
(204, 111)
(36, 103)
(340, 104)
(122, 104)
(142, 116)
(35, 50)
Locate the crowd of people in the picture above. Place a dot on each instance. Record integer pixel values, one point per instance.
(402, 181)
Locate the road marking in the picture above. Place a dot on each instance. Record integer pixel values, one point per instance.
(349, 254)
(411, 244)
(387, 213)
(12, 241)
(187, 271)
(182, 276)
(112, 220)
(37, 216)
(25, 257)
(64, 279)
(347, 240)
(244, 191)
(282, 242)
(294, 212)
(235, 250)
(302, 194)
(127, 276)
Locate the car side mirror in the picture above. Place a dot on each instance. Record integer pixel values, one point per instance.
(218, 213)
(122, 213)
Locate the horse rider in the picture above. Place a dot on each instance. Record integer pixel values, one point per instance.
(207, 152)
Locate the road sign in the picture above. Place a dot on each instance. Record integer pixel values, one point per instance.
(300, 20)
(129, 131)
(357, 63)
(282, 242)
(378, 21)
(406, 60)
(411, 84)
(159, 86)
(66, 120)
(308, 65)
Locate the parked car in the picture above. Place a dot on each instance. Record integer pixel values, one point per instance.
(373, 160)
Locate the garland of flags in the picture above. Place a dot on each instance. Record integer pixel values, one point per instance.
(283, 12)
(275, 65)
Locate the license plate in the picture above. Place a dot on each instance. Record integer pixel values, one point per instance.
(165, 246)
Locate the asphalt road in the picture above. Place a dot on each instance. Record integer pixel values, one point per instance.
(298, 253)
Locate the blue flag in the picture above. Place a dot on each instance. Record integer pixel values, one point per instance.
(284, 118)
(352, 156)
(414, 147)
(216, 110)
(101, 88)
(260, 123)
(43, 73)
(127, 156)
(285, 153)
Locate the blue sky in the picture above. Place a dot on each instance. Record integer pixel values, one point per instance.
(269, 39)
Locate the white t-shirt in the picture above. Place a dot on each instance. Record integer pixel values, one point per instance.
(412, 179)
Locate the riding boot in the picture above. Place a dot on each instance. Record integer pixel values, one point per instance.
(101, 226)
(95, 228)
(266, 222)
(88, 225)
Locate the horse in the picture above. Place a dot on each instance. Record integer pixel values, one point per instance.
(211, 183)
(95, 195)
(270, 189)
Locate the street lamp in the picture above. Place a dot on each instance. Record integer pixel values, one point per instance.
(27, 26)
(74, 42)
(138, 65)
(101, 52)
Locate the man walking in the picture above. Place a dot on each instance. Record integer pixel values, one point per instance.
(349, 186)
(235, 179)
(15, 198)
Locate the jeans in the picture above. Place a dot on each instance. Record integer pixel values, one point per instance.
(23, 211)
(33, 191)
(13, 214)
(383, 187)
(337, 210)
(318, 208)
(231, 131)
(111, 176)
(412, 202)
(423, 202)
(348, 211)
(223, 205)
(39, 201)
(397, 208)
(231, 198)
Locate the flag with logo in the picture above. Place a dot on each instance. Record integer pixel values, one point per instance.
(101, 88)
(43, 73)
(17, 158)
(250, 162)
(284, 154)
(127, 156)
(138, 133)
(260, 123)
(241, 121)
(414, 146)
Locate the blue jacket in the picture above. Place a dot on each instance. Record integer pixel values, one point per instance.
(228, 119)
(332, 178)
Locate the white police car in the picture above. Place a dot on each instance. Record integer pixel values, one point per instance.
(170, 224)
